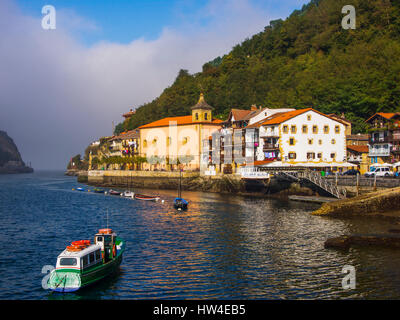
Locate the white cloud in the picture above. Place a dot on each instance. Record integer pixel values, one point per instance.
(57, 95)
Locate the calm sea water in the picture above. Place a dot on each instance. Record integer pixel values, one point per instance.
(223, 247)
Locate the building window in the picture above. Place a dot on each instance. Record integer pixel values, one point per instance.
(169, 141)
(293, 129)
(333, 141)
(285, 129)
(319, 155)
(310, 141)
(320, 142)
(309, 117)
(305, 129)
(291, 141)
(310, 155)
(333, 155)
(206, 116)
(315, 129)
(292, 155)
(326, 129)
(337, 129)
(197, 116)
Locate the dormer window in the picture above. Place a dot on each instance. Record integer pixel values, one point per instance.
(206, 116)
(197, 116)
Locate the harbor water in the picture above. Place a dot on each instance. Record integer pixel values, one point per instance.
(223, 247)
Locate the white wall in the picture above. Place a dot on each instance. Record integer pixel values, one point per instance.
(265, 113)
(302, 146)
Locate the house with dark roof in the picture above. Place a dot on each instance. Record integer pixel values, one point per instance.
(384, 137)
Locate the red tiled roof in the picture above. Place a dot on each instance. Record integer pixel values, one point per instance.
(129, 114)
(258, 163)
(386, 115)
(280, 117)
(359, 149)
(357, 137)
(283, 116)
(180, 121)
(239, 114)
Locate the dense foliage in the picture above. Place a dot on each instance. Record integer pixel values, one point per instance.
(308, 60)
(77, 163)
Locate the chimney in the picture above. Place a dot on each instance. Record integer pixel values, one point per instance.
(253, 107)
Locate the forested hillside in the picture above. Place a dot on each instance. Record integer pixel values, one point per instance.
(308, 60)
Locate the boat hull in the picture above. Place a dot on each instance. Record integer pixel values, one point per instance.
(146, 198)
(71, 280)
(181, 204)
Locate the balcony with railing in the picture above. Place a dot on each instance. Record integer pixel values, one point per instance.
(270, 146)
(270, 132)
(380, 138)
(353, 158)
(396, 148)
(379, 150)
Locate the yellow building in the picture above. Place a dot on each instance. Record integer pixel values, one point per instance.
(359, 155)
(171, 141)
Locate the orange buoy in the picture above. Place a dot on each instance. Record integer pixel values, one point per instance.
(105, 231)
(74, 248)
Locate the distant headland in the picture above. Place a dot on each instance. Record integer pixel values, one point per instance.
(10, 158)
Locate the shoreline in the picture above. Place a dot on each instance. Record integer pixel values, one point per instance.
(380, 203)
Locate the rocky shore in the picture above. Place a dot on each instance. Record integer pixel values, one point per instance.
(191, 181)
(15, 169)
(10, 158)
(384, 203)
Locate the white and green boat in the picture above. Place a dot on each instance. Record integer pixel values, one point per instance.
(83, 263)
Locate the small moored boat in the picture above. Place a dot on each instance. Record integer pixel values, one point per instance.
(128, 194)
(179, 202)
(114, 193)
(146, 198)
(83, 263)
(80, 189)
(97, 190)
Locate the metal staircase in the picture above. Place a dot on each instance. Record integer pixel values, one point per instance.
(316, 179)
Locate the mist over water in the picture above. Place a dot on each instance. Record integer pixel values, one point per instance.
(223, 247)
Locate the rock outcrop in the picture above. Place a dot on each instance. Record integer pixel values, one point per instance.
(381, 203)
(10, 158)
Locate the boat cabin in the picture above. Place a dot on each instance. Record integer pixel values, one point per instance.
(106, 238)
(103, 250)
(80, 260)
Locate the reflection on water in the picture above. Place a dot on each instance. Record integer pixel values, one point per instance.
(224, 246)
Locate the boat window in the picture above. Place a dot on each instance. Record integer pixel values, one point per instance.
(68, 262)
(107, 240)
(85, 261)
(91, 256)
(100, 239)
(98, 255)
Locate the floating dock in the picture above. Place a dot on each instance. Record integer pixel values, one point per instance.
(312, 199)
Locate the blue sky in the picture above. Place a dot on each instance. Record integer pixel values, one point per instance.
(104, 58)
(125, 20)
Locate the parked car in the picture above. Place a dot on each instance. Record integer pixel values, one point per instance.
(351, 172)
(379, 172)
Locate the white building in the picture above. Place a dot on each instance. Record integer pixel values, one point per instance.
(301, 136)
(266, 113)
